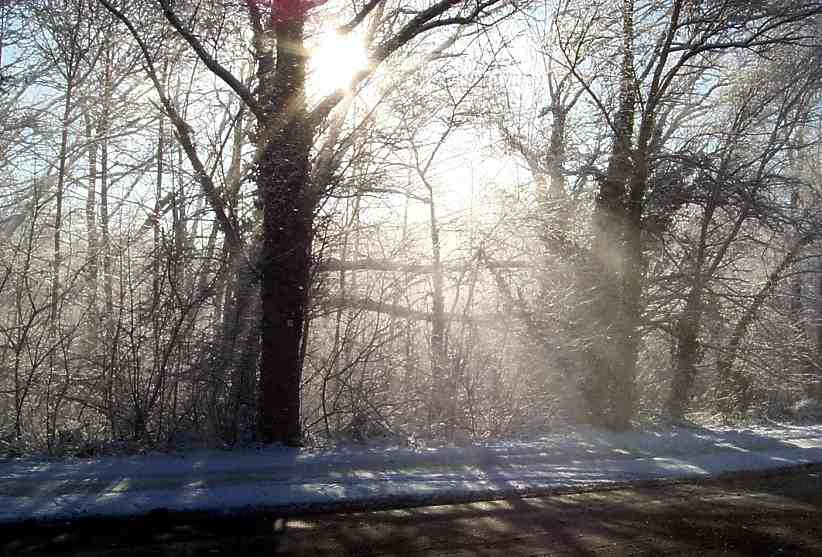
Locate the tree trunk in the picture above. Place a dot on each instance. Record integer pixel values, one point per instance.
(240, 349)
(795, 308)
(104, 130)
(557, 202)
(624, 392)
(733, 389)
(686, 355)
(556, 154)
(157, 270)
(91, 231)
(442, 396)
(284, 263)
(815, 389)
(58, 215)
(607, 352)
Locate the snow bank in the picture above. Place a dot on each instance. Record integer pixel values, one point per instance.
(278, 478)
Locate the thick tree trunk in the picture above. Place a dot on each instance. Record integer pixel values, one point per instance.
(557, 197)
(607, 385)
(624, 392)
(605, 352)
(284, 262)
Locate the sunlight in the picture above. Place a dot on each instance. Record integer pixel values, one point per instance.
(335, 61)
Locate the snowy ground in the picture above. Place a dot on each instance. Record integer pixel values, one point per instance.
(277, 478)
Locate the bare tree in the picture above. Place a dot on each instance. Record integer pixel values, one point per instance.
(285, 134)
(689, 35)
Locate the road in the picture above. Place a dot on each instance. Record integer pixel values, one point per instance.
(765, 515)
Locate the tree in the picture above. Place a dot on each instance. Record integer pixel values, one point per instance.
(285, 133)
(687, 39)
(731, 191)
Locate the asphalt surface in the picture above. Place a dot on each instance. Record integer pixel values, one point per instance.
(763, 515)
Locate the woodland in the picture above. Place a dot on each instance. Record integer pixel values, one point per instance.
(226, 222)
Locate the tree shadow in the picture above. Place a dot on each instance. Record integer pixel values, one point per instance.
(517, 524)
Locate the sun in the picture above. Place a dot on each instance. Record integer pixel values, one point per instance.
(336, 60)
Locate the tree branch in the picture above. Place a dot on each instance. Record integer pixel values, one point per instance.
(336, 265)
(420, 23)
(225, 222)
(211, 63)
(361, 15)
(495, 321)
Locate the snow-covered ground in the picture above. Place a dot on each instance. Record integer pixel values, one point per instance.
(277, 478)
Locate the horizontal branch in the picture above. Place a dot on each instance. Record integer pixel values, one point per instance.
(335, 265)
(495, 320)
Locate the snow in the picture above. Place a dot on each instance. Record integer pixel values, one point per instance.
(299, 480)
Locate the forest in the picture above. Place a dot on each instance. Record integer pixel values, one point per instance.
(226, 222)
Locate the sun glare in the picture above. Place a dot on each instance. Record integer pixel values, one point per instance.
(336, 59)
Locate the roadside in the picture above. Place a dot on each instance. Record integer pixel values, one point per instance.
(287, 481)
(766, 515)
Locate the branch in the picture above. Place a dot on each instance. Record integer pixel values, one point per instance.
(395, 310)
(425, 20)
(211, 63)
(361, 15)
(183, 135)
(335, 265)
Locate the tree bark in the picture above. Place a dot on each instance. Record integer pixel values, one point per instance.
(284, 264)
(443, 389)
(285, 133)
(58, 215)
(606, 354)
(104, 129)
(686, 355)
(92, 258)
(815, 389)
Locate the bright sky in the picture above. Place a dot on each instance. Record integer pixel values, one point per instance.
(334, 61)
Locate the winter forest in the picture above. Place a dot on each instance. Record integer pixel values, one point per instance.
(305, 222)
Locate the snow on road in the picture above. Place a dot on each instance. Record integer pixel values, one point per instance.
(277, 478)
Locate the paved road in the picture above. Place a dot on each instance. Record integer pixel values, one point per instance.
(774, 515)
